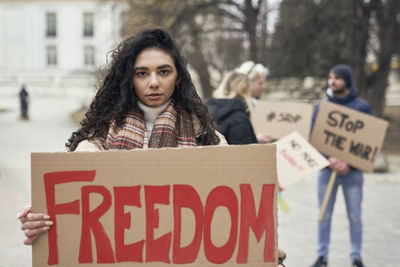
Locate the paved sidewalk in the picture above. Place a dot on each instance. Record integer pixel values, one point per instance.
(381, 217)
(50, 127)
(47, 130)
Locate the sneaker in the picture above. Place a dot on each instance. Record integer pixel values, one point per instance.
(320, 262)
(357, 263)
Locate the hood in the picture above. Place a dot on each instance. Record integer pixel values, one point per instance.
(221, 107)
(346, 73)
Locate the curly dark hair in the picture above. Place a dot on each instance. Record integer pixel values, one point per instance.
(116, 95)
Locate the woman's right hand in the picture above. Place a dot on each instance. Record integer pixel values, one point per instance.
(263, 138)
(33, 224)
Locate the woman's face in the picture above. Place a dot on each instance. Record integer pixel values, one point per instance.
(154, 77)
(257, 86)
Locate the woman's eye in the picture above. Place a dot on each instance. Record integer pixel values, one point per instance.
(141, 74)
(164, 72)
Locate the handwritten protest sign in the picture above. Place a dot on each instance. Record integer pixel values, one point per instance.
(157, 207)
(349, 135)
(279, 119)
(296, 158)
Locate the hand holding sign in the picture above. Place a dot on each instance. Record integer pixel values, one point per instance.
(340, 166)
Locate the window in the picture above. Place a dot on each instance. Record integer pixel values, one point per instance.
(89, 55)
(88, 24)
(51, 24)
(51, 52)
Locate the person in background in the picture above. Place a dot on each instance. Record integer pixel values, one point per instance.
(257, 74)
(230, 109)
(341, 90)
(24, 103)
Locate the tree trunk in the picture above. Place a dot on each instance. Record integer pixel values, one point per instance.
(388, 27)
(264, 33)
(250, 27)
(359, 38)
(197, 60)
(378, 92)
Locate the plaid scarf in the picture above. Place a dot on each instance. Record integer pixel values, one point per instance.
(172, 128)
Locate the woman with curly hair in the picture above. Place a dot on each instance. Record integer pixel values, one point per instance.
(146, 100)
(160, 83)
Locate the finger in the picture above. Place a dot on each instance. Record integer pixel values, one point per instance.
(30, 240)
(35, 224)
(24, 211)
(343, 166)
(338, 165)
(36, 217)
(331, 164)
(35, 232)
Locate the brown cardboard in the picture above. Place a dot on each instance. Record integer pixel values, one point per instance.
(218, 169)
(296, 158)
(281, 118)
(349, 135)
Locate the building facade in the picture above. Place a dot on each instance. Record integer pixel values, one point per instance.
(55, 47)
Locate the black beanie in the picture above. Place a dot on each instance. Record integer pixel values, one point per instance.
(345, 72)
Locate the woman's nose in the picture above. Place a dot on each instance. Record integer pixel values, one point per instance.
(154, 83)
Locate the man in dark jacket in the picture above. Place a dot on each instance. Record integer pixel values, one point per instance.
(341, 90)
(232, 117)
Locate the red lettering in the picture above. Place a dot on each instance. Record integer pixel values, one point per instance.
(156, 249)
(291, 160)
(263, 222)
(51, 179)
(220, 196)
(90, 221)
(185, 196)
(129, 195)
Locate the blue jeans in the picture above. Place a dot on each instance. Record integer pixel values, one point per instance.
(352, 184)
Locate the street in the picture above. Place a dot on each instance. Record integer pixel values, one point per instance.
(50, 127)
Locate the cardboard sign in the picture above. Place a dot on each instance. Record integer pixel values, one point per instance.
(349, 135)
(158, 207)
(279, 119)
(296, 158)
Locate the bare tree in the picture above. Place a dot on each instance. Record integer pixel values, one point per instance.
(387, 15)
(227, 24)
(312, 36)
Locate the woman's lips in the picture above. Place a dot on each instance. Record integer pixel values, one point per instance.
(154, 96)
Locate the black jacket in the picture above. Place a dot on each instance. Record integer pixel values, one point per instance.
(232, 120)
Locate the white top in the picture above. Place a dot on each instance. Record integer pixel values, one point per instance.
(151, 114)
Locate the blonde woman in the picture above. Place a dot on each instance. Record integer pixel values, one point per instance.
(256, 74)
(230, 109)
